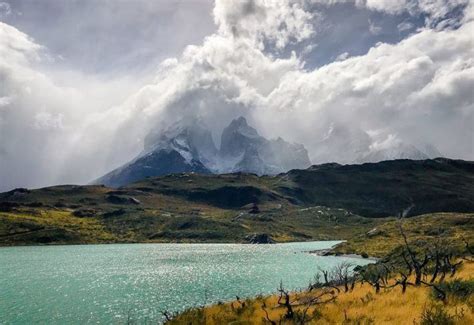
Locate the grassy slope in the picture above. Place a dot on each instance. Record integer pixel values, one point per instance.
(52, 225)
(48, 216)
(44, 226)
(360, 306)
(382, 239)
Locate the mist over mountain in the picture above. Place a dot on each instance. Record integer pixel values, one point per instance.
(188, 146)
(97, 93)
(346, 144)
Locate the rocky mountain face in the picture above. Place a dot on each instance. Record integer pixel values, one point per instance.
(255, 154)
(188, 146)
(159, 162)
(190, 139)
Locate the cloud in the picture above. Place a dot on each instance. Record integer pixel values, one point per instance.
(4, 101)
(276, 21)
(16, 47)
(40, 118)
(404, 26)
(374, 29)
(390, 6)
(342, 56)
(5, 9)
(416, 90)
(412, 88)
(48, 121)
(435, 10)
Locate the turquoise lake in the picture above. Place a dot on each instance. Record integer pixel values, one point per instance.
(103, 284)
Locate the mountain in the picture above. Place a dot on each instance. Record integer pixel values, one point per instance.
(179, 149)
(158, 162)
(399, 151)
(187, 146)
(190, 138)
(329, 201)
(238, 137)
(255, 154)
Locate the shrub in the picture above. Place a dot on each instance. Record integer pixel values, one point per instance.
(436, 315)
(458, 289)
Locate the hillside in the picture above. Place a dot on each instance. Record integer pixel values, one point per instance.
(322, 202)
(361, 305)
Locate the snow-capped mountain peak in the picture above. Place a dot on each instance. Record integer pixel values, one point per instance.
(187, 146)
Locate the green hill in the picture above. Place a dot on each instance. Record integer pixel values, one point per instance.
(322, 202)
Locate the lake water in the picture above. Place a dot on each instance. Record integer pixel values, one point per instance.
(105, 283)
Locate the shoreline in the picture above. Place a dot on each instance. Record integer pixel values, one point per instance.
(174, 242)
(330, 252)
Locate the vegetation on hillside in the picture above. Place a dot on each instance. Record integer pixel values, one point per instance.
(380, 240)
(321, 203)
(361, 305)
(175, 223)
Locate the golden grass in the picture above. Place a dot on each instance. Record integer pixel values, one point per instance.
(87, 229)
(451, 226)
(360, 306)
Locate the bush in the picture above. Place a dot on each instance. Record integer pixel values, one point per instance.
(458, 289)
(436, 315)
(84, 213)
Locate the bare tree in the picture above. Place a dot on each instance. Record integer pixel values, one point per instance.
(413, 261)
(342, 274)
(325, 274)
(267, 317)
(285, 296)
(329, 280)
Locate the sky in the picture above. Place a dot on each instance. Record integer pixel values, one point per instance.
(83, 82)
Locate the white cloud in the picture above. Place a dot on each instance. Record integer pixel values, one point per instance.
(5, 100)
(403, 88)
(435, 10)
(386, 143)
(277, 21)
(342, 56)
(16, 47)
(40, 119)
(5, 9)
(389, 6)
(418, 89)
(404, 26)
(48, 121)
(374, 29)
